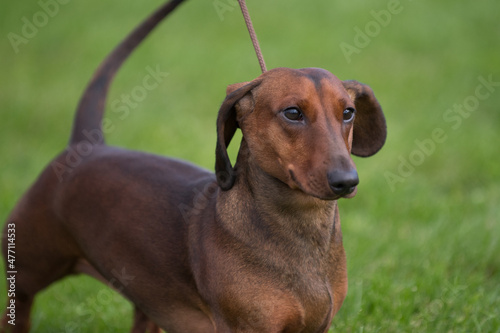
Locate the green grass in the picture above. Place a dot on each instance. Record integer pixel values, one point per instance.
(423, 253)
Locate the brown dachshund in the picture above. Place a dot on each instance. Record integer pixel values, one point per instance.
(254, 248)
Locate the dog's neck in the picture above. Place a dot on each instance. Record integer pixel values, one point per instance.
(272, 210)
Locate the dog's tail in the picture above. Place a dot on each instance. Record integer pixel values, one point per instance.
(90, 111)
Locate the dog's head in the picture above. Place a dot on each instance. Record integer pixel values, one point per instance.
(301, 125)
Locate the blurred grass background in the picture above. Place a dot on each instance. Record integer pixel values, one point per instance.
(423, 251)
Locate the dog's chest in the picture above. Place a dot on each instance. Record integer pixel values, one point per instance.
(293, 303)
(315, 296)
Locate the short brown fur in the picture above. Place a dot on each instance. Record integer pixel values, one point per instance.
(254, 248)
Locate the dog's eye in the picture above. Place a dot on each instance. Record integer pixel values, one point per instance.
(293, 114)
(349, 114)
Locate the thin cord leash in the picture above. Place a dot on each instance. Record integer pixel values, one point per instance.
(253, 36)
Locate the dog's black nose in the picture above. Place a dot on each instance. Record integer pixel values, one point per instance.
(343, 182)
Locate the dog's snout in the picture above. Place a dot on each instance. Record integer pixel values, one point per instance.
(343, 182)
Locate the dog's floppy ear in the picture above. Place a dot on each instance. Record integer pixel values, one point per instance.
(226, 127)
(370, 130)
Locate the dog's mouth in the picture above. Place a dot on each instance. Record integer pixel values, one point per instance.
(352, 193)
(321, 190)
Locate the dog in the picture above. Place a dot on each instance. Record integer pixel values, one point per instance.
(255, 247)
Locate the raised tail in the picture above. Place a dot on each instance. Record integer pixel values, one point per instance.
(90, 110)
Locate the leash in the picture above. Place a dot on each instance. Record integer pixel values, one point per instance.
(253, 36)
